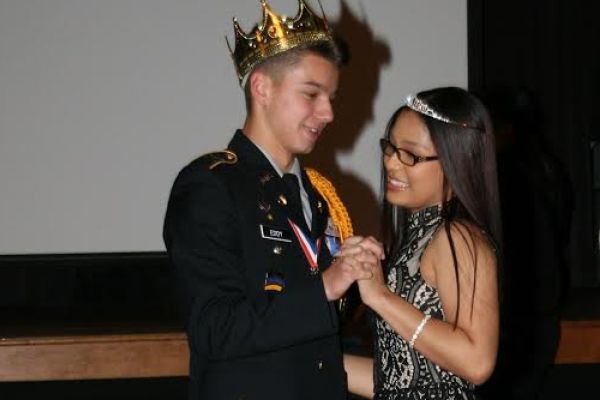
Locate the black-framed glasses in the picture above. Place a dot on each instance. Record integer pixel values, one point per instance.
(405, 156)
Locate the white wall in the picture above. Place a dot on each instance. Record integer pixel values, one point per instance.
(103, 101)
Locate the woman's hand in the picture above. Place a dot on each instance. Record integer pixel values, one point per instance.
(350, 264)
(365, 252)
(374, 289)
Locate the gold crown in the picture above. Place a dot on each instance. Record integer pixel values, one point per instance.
(276, 34)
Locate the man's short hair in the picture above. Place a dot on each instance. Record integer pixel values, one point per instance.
(275, 65)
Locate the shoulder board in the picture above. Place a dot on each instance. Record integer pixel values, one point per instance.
(217, 158)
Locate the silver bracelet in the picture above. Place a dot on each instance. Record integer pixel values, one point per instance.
(418, 330)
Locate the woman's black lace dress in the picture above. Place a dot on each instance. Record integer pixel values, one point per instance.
(401, 372)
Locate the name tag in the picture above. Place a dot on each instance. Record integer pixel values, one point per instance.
(275, 233)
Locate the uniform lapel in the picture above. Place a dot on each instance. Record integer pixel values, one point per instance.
(318, 208)
(272, 201)
(270, 190)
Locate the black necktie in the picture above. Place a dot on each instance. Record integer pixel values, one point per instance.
(294, 199)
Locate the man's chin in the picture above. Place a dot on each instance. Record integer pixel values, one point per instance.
(307, 149)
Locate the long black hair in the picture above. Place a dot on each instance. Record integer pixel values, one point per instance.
(466, 149)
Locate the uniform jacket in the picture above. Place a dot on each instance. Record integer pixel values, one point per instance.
(226, 230)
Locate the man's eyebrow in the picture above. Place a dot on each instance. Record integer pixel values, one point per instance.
(314, 84)
(317, 85)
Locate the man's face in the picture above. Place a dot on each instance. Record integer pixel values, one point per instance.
(298, 106)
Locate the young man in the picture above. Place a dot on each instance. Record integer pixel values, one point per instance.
(257, 286)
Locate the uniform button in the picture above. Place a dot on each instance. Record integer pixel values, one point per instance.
(320, 365)
(277, 250)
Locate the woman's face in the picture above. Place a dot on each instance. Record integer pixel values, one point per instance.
(418, 186)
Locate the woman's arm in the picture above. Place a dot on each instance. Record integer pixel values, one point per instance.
(360, 375)
(466, 342)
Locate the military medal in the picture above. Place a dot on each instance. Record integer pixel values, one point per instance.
(310, 247)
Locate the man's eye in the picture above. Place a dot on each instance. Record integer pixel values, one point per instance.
(311, 95)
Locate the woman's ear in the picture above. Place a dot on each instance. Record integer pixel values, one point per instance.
(448, 192)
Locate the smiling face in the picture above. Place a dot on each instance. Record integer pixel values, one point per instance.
(418, 186)
(295, 107)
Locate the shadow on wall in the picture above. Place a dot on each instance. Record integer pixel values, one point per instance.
(359, 83)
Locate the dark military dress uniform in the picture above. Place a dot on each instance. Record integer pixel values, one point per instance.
(258, 322)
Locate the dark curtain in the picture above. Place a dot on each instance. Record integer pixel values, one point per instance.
(536, 65)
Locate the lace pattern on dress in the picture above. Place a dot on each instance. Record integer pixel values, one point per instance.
(401, 372)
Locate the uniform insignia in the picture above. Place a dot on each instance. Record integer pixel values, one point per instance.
(275, 233)
(278, 250)
(266, 177)
(282, 200)
(274, 282)
(320, 206)
(331, 229)
(333, 244)
(264, 206)
(332, 237)
(222, 157)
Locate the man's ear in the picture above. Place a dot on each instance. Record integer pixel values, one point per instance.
(260, 86)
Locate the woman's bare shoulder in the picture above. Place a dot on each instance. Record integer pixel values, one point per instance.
(463, 241)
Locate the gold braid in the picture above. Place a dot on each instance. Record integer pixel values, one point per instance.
(339, 216)
(337, 210)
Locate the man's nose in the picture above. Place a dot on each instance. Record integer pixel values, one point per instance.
(325, 111)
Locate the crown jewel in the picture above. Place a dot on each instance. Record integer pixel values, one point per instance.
(276, 34)
(419, 105)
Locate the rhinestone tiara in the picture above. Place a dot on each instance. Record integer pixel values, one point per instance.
(419, 105)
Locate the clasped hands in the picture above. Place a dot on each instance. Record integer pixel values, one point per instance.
(359, 260)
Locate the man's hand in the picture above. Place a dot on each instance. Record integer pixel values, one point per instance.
(354, 261)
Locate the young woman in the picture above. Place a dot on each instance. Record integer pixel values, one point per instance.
(436, 305)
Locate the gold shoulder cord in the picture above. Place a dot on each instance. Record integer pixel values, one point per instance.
(337, 210)
(338, 213)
